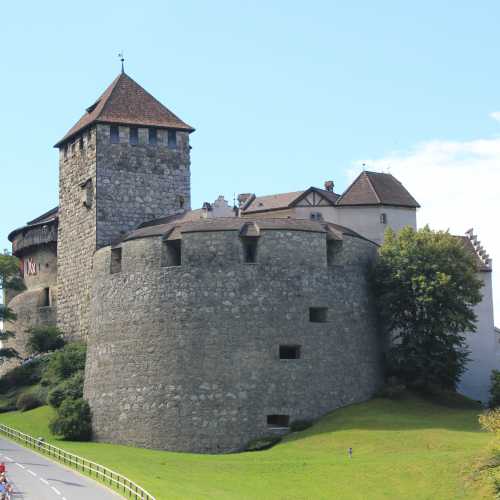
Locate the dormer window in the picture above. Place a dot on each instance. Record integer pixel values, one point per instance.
(172, 139)
(153, 136)
(114, 134)
(134, 135)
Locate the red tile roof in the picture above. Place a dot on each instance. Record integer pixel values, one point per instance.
(375, 188)
(126, 102)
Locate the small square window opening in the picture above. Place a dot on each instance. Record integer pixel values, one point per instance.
(279, 421)
(289, 351)
(318, 314)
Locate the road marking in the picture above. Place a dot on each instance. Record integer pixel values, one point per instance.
(32, 473)
(20, 465)
(63, 498)
(8, 458)
(56, 491)
(44, 481)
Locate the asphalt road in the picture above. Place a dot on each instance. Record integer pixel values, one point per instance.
(37, 478)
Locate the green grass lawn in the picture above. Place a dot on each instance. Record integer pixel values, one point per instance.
(408, 449)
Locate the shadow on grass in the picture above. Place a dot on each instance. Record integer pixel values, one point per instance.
(410, 412)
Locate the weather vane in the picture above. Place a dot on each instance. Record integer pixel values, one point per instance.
(122, 59)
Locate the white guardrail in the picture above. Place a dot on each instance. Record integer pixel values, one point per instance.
(105, 475)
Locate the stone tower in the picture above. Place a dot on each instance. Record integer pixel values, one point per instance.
(126, 161)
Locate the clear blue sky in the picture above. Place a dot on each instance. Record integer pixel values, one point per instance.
(283, 94)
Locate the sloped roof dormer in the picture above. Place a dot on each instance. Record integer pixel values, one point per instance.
(125, 102)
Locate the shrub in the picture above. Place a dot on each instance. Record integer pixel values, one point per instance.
(64, 363)
(24, 375)
(27, 401)
(73, 420)
(72, 388)
(392, 389)
(495, 389)
(263, 443)
(300, 425)
(490, 421)
(44, 339)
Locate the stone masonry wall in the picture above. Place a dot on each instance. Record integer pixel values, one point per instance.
(77, 235)
(137, 183)
(187, 357)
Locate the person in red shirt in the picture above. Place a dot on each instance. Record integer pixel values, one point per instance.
(2, 468)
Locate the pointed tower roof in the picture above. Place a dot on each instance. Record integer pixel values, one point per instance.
(375, 188)
(125, 102)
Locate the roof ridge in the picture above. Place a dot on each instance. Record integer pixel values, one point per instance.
(372, 186)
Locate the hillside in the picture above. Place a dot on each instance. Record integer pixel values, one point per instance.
(402, 449)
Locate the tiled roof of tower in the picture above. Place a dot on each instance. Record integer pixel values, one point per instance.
(375, 188)
(126, 102)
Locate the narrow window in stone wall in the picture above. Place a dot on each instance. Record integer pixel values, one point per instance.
(172, 139)
(153, 136)
(289, 351)
(134, 135)
(45, 298)
(333, 247)
(249, 249)
(171, 253)
(65, 151)
(280, 421)
(89, 136)
(80, 143)
(181, 201)
(114, 134)
(318, 314)
(383, 218)
(116, 260)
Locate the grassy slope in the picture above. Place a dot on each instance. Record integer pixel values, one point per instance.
(402, 449)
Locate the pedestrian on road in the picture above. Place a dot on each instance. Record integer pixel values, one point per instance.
(2, 468)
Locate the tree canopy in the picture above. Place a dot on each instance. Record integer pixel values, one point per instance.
(426, 285)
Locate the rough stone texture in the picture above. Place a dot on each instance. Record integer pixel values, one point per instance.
(77, 235)
(186, 358)
(106, 190)
(28, 305)
(137, 183)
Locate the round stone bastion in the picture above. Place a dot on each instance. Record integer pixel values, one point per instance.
(209, 333)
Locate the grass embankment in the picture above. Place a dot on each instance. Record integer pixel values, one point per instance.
(402, 449)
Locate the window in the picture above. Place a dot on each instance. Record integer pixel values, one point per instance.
(65, 150)
(153, 136)
(333, 247)
(116, 260)
(289, 351)
(134, 135)
(45, 298)
(172, 139)
(318, 314)
(87, 193)
(249, 249)
(383, 218)
(89, 136)
(114, 134)
(181, 201)
(316, 216)
(278, 420)
(80, 143)
(171, 254)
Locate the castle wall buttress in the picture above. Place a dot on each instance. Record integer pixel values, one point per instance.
(77, 233)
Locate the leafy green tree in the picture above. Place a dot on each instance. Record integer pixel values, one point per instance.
(426, 285)
(73, 420)
(44, 339)
(64, 363)
(10, 279)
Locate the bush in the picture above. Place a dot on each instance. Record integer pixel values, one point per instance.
(300, 425)
(64, 363)
(44, 339)
(495, 389)
(24, 375)
(490, 421)
(73, 420)
(27, 401)
(72, 388)
(393, 389)
(263, 443)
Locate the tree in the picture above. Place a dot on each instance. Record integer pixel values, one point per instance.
(426, 285)
(44, 339)
(10, 279)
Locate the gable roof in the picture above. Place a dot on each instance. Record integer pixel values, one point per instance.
(329, 196)
(376, 188)
(271, 202)
(126, 102)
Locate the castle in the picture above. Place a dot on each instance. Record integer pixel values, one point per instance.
(207, 328)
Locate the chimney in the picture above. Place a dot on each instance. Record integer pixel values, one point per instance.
(329, 185)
